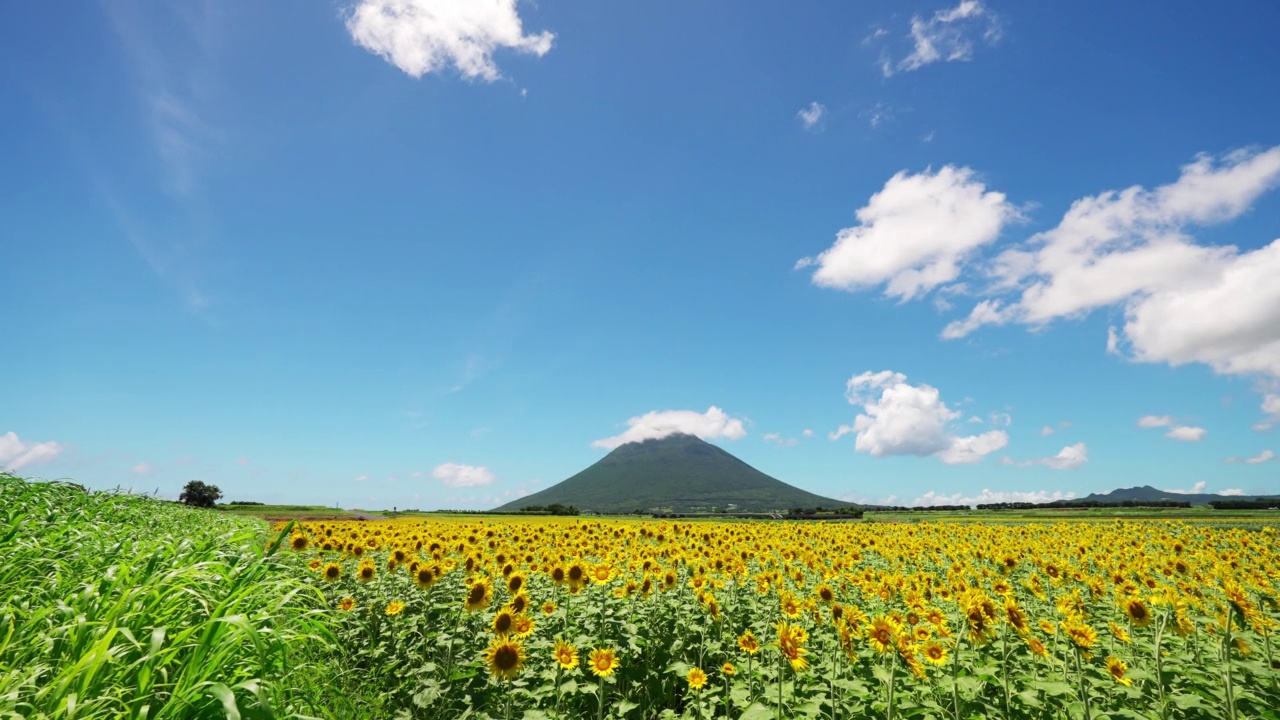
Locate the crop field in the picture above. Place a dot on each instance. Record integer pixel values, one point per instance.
(575, 618)
(115, 606)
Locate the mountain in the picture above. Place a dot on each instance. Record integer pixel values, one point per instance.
(678, 473)
(1146, 493)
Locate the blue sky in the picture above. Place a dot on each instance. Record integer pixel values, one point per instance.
(429, 253)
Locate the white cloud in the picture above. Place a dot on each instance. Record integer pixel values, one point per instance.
(1046, 431)
(16, 454)
(948, 36)
(1183, 302)
(243, 461)
(1264, 456)
(1196, 489)
(811, 117)
(931, 498)
(1068, 458)
(780, 441)
(714, 424)
(426, 36)
(1270, 408)
(1186, 433)
(456, 475)
(914, 234)
(362, 478)
(1155, 421)
(903, 419)
(808, 432)
(143, 469)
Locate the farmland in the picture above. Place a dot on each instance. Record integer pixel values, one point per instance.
(118, 606)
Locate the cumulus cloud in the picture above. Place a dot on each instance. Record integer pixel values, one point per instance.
(1046, 431)
(714, 424)
(914, 234)
(811, 116)
(1264, 456)
(427, 36)
(1155, 421)
(902, 419)
(1184, 302)
(1271, 409)
(1184, 433)
(457, 475)
(1068, 458)
(16, 454)
(931, 498)
(948, 36)
(808, 432)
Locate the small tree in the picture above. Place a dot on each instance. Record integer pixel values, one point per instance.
(199, 494)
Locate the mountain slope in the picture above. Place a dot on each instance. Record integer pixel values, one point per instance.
(1146, 493)
(678, 473)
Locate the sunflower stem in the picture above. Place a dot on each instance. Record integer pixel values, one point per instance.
(1226, 660)
(955, 676)
(1160, 662)
(1084, 687)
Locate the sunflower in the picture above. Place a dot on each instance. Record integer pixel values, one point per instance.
(332, 571)
(603, 662)
(299, 542)
(1137, 611)
(576, 576)
(825, 593)
(1015, 616)
(790, 606)
(790, 642)
(505, 657)
(347, 604)
(394, 607)
(935, 653)
(366, 572)
(424, 577)
(519, 603)
(479, 595)
(1048, 628)
(514, 582)
(748, 643)
(315, 564)
(548, 608)
(1120, 633)
(524, 626)
(1080, 633)
(1037, 647)
(1117, 668)
(881, 634)
(728, 670)
(696, 678)
(566, 655)
(559, 575)
(503, 622)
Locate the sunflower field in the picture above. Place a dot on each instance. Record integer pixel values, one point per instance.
(516, 618)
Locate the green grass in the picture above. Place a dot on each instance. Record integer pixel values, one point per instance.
(118, 606)
(287, 512)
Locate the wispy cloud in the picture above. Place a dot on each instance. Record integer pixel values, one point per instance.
(812, 115)
(949, 35)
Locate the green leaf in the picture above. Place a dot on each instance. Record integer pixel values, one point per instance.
(756, 711)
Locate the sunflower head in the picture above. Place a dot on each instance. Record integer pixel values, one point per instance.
(347, 604)
(505, 657)
(394, 607)
(696, 678)
(935, 653)
(603, 661)
(332, 571)
(479, 595)
(1117, 669)
(566, 655)
(299, 542)
(728, 670)
(504, 622)
(1137, 611)
(748, 643)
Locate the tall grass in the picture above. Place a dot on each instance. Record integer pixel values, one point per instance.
(118, 606)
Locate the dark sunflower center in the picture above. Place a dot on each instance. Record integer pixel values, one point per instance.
(476, 594)
(506, 658)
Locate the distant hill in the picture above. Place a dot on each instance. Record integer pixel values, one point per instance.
(678, 473)
(1146, 493)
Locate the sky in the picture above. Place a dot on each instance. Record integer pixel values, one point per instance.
(442, 253)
